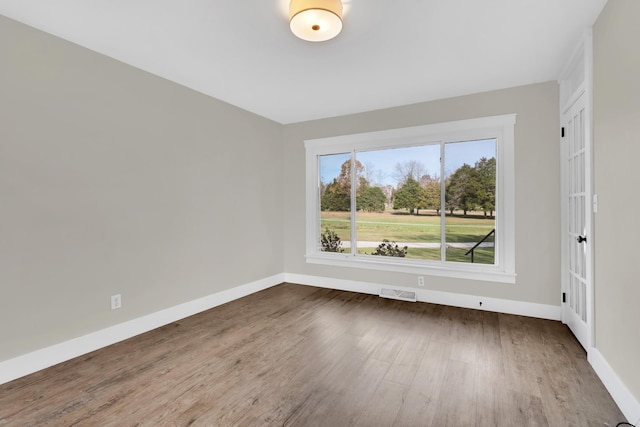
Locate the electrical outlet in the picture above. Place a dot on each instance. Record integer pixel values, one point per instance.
(116, 301)
(420, 280)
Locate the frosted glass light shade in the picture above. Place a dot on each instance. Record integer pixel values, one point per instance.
(315, 20)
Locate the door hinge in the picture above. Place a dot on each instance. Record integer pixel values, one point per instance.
(564, 297)
(562, 132)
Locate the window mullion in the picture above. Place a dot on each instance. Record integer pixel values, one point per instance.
(352, 216)
(443, 207)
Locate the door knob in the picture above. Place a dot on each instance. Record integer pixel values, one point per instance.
(582, 239)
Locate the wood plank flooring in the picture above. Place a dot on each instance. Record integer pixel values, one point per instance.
(302, 356)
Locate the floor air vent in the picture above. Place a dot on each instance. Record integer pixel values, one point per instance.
(398, 294)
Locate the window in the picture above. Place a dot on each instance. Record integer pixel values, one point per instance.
(434, 200)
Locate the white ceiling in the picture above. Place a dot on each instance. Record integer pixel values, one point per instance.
(390, 53)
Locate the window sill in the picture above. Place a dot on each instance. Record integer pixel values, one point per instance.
(454, 270)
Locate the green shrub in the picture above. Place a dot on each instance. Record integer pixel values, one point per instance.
(387, 248)
(330, 242)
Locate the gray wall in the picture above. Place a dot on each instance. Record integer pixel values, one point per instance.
(116, 181)
(617, 153)
(537, 188)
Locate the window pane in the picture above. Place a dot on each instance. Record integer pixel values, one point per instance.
(335, 202)
(470, 197)
(398, 202)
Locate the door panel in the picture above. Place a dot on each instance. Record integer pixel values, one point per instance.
(577, 275)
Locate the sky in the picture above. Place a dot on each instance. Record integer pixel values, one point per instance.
(384, 161)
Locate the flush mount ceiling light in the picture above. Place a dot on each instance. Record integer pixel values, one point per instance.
(315, 20)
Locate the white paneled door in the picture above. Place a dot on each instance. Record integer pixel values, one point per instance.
(577, 280)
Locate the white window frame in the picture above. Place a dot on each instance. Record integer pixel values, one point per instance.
(499, 127)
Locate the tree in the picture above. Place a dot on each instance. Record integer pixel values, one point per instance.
(487, 193)
(431, 188)
(334, 200)
(409, 196)
(372, 175)
(337, 194)
(371, 199)
(343, 180)
(463, 189)
(408, 169)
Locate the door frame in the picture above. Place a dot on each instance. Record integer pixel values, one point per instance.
(576, 81)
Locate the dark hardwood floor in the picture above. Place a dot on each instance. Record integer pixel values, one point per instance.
(302, 356)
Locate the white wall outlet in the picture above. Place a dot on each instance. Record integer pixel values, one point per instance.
(116, 301)
(420, 280)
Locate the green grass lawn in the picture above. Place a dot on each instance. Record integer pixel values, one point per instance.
(401, 227)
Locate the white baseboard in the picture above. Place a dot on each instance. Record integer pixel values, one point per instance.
(498, 305)
(627, 403)
(40, 359)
